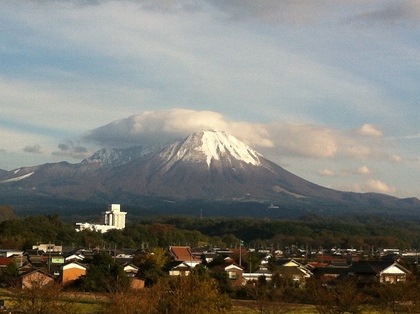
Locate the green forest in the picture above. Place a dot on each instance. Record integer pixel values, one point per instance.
(359, 232)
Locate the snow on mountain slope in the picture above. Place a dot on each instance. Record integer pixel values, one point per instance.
(217, 143)
(15, 179)
(111, 157)
(210, 146)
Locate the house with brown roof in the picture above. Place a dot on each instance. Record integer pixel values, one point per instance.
(4, 261)
(368, 272)
(35, 279)
(330, 275)
(184, 254)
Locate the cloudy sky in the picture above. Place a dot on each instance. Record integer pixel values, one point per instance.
(328, 89)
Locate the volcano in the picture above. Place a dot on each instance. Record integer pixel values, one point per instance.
(211, 166)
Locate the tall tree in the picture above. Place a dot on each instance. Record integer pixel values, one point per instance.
(104, 275)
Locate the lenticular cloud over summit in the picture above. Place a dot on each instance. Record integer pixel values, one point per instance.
(287, 143)
(165, 125)
(156, 126)
(215, 145)
(275, 138)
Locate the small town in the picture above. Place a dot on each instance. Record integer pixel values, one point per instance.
(238, 279)
(208, 156)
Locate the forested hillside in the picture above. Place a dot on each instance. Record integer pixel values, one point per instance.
(366, 232)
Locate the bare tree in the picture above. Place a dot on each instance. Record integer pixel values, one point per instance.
(47, 299)
(268, 298)
(196, 293)
(343, 297)
(401, 297)
(133, 302)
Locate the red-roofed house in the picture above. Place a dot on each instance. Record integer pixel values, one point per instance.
(184, 254)
(4, 261)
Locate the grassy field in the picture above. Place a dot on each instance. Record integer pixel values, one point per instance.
(88, 303)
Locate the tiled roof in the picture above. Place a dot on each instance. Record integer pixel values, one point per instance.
(369, 267)
(182, 253)
(5, 260)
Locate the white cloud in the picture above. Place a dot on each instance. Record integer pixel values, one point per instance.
(369, 130)
(160, 126)
(396, 158)
(326, 172)
(364, 170)
(304, 140)
(375, 185)
(275, 139)
(371, 185)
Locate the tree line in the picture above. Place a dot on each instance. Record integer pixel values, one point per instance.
(363, 232)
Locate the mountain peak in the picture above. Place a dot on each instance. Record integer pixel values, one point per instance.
(110, 157)
(213, 145)
(218, 143)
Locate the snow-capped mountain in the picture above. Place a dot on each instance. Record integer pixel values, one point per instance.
(111, 157)
(211, 147)
(207, 165)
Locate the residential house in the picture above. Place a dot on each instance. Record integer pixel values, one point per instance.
(4, 261)
(293, 270)
(9, 253)
(330, 275)
(184, 254)
(50, 247)
(369, 272)
(74, 257)
(72, 271)
(288, 262)
(178, 268)
(234, 272)
(35, 279)
(297, 274)
(261, 272)
(130, 269)
(208, 257)
(20, 259)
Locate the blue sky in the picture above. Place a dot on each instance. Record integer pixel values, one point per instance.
(327, 89)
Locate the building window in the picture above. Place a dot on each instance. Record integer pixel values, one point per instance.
(233, 275)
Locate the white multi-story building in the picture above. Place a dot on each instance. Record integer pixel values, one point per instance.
(114, 219)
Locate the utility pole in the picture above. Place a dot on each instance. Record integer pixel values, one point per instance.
(240, 252)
